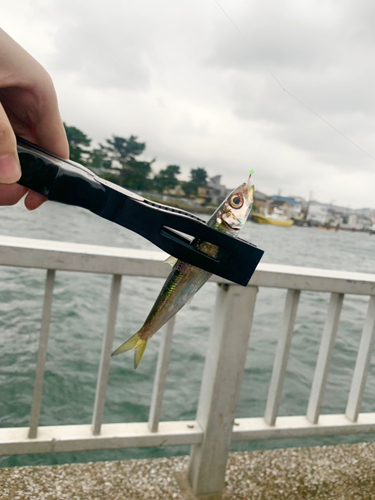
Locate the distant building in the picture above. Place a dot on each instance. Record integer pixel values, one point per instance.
(217, 192)
(260, 201)
(214, 192)
(318, 213)
(304, 205)
(352, 220)
(289, 206)
(364, 222)
(176, 191)
(202, 197)
(360, 222)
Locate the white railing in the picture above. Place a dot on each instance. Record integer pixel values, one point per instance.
(212, 432)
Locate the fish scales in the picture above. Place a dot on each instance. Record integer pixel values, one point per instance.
(185, 279)
(183, 282)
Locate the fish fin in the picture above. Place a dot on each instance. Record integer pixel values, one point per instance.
(139, 350)
(128, 345)
(171, 261)
(135, 342)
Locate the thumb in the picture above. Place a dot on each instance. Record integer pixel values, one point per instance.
(10, 170)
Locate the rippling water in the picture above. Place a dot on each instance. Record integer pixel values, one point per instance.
(79, 317)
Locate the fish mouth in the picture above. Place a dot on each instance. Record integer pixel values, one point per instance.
(229, 226)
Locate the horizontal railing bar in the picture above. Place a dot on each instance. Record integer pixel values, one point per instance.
(252, 429)
(313, 280)
(66, 256)
(43, 254)
(68, 438)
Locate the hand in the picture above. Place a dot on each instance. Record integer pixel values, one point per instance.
(29, 109)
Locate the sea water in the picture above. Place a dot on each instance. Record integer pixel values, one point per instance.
(78, 322)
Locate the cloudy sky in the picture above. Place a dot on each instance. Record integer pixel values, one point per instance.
(201, 82)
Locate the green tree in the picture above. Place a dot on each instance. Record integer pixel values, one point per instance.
(166, 178)
(78, 144)
(188, 188)
(97, 159)
(136, 175)
(123, 150)
(120, 153)
(198, 178)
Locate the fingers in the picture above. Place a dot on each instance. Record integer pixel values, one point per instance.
(51, 136)
(30, 98)
(29, 109)
(10, 170)
(49, 127)
(34, 200)
(10, 195)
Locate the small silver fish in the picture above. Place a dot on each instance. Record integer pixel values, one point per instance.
(185, 280)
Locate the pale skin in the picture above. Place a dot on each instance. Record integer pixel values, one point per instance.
(29, 109)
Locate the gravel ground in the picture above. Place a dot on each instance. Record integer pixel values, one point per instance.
(332, 472)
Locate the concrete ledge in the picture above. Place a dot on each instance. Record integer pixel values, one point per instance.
(345, 472)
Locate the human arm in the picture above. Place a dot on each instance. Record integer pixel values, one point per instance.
(29, 109)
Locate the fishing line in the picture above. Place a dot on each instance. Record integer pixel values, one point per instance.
(284, 89)
(332, 126)
(251, 47)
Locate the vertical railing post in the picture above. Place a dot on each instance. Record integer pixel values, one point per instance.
(42, 354)
(221, 383)
(161, 375)
(105, 360)
(366, 347)
(324, 357)
(281, 357)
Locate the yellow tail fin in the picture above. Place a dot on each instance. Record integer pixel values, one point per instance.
(133, 343)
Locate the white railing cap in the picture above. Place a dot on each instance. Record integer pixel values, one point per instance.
(47, 254)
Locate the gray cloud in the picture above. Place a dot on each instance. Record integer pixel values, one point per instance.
(183, 79)
(100, 46)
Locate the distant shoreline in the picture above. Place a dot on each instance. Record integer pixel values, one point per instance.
(209, 209)
(181, 203)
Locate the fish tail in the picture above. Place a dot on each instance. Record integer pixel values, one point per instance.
(135, 342)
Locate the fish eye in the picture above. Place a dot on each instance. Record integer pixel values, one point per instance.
(236, 201)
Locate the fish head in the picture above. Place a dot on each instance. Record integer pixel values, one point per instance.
(236, 208)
